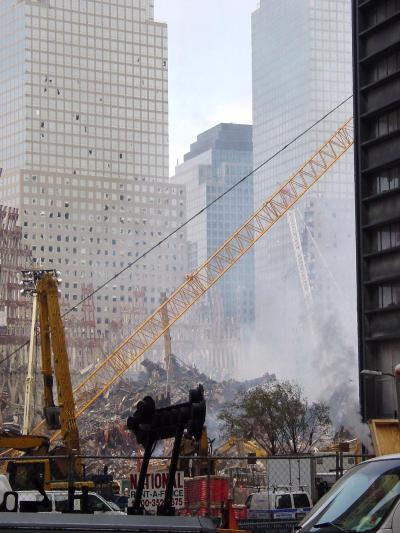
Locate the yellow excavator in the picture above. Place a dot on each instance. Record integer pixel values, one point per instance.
(64, 467)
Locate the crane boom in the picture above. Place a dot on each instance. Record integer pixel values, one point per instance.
(300, 261)
(202, 279)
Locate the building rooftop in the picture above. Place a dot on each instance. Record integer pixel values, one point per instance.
(224, 136)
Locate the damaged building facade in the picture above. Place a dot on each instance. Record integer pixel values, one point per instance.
(15, 314)
(84, 151)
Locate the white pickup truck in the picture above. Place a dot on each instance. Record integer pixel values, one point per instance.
(58, 500)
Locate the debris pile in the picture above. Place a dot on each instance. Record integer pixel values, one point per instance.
(103, 430)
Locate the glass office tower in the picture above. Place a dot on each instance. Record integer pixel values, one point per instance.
(301, 70)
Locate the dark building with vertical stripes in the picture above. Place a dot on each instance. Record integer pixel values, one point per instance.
(376, 56)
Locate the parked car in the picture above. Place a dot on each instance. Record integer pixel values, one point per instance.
(120, 500)
(59, 501)
(367, 498)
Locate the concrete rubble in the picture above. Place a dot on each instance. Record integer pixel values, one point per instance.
(102, 429)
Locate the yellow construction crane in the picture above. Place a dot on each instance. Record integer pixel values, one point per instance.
(52, 336)
(59, 417)
(167, 340)
(198, 282)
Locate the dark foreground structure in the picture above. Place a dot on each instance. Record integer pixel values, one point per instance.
(376, 57)
(29, 522)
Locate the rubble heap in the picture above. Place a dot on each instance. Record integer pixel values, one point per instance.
(103, 429)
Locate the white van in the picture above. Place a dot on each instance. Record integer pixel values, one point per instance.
(278, 504)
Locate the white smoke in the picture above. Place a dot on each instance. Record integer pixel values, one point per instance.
(338, 368)
(322, 358)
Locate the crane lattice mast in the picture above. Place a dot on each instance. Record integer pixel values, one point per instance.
(300, 261)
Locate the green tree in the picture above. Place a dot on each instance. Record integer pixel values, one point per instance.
(278, 417)
(303, 425)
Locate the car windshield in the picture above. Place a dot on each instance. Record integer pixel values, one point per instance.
(113, 506)
(360, 500)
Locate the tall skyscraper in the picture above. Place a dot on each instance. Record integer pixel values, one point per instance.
(84, 147)
(301, 70)
(376, 28)
(219, 158)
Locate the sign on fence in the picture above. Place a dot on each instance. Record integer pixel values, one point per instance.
(154, 490)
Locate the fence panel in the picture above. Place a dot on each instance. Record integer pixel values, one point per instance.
(227, 480)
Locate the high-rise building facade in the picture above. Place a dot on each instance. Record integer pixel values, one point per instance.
(376, 31)
(84, 146)
(301, 70)
(15, 313)
(219, 158)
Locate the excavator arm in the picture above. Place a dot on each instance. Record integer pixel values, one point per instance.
(52, 335)
(45, 346)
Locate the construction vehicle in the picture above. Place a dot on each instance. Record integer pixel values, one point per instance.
(56, 473)
(199, 448)
(128, 352)
(242, 446)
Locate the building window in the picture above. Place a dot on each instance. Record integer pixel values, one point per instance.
(380, 11)
(386, 124)
(388, 237)
(389, 295)
(386, 179)
(385, 67)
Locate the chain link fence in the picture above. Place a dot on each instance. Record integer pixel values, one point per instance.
(204, 486)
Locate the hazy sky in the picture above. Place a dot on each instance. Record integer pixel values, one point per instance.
(209, 66)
